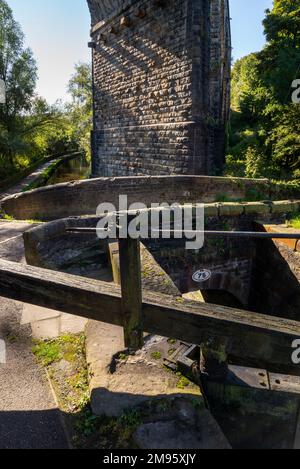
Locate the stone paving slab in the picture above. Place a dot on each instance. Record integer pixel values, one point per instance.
(118, 384)
(49, 324)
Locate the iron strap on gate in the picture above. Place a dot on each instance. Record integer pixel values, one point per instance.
(215, 233)
(228, 234)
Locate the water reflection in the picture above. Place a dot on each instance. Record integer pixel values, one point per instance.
(71, 170)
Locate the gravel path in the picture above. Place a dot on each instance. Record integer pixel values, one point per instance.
(29, 417)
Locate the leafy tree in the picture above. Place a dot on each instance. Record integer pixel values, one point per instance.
(80, 109)
(265, 124)
(17, 65)
(29, 127)
(282, 23)
(19, 72)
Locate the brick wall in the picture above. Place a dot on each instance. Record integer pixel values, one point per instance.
(161, 89)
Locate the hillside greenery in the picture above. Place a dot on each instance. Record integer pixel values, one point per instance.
(264, 133)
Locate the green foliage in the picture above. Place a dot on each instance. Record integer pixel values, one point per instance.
(255, 162)
(295, 223)
(265, 126)
(17, 67)
(29, 127)
(106, 432)
(285, 189)
(19, 72)
(123, 356)
(80, 110)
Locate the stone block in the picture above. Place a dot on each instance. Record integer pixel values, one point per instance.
(231, 209)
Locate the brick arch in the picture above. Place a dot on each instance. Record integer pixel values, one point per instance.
(233, 278)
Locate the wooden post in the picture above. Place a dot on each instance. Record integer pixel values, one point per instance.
(131, 286)
(213, 358)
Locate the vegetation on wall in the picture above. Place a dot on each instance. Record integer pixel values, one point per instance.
(30, 128)
(264, 136)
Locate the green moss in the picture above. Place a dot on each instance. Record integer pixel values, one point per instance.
(131, 418)
(66, 347)
(179, 300)
(198, 404)
(183, 383)
(123, 356)
(47, 352)
(156, 355)
(107, 432)
(172, 341)
(163, 405)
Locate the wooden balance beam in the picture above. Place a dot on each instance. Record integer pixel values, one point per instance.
(252, 337)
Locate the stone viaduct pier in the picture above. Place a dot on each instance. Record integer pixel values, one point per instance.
(161, 74)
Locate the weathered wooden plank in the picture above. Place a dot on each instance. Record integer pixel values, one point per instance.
(258, 338)
(83, 297)
(131, 288)
(261, 340)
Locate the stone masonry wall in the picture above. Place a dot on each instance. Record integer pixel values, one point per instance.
(276, 280)
(161, 86)
(230, 261)
(83, 197)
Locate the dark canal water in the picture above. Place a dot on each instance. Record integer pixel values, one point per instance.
(71, 170)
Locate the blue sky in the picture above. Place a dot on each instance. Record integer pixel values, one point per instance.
(58, 31)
